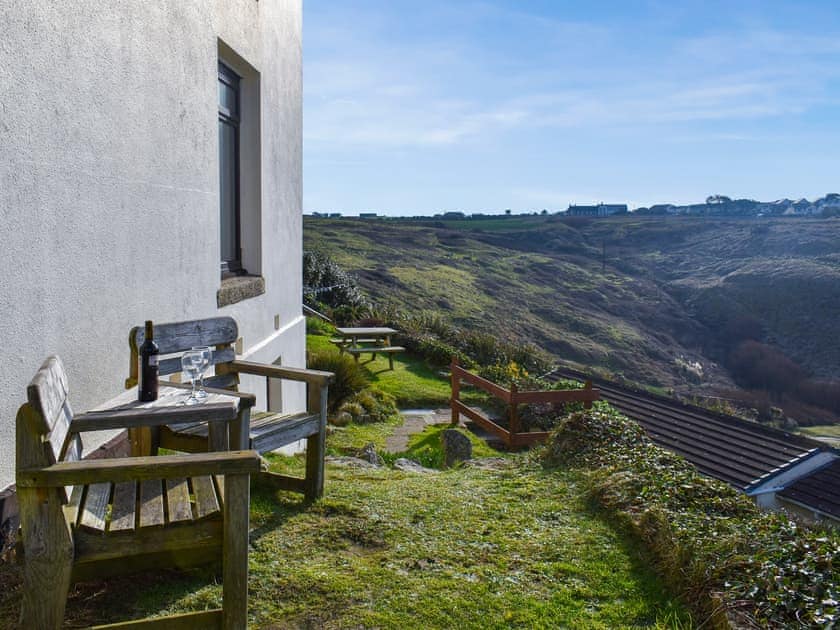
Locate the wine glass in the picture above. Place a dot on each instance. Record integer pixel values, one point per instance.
(206, 358)
(190, 364)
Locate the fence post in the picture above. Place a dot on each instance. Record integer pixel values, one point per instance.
(588, 403)
(455, 380)
(514, 410)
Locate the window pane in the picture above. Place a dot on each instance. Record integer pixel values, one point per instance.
(228, 99)
(228, 189)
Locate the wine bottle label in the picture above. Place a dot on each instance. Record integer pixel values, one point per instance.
(153, 359)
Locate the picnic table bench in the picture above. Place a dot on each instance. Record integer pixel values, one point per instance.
(376, 340)
(91, 519)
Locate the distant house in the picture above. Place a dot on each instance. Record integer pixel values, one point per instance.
(150, 169)
(367, 215)
(601, 210)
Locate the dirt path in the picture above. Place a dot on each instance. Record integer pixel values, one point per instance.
(414, 421)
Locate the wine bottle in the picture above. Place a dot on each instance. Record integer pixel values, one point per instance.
(149, 351)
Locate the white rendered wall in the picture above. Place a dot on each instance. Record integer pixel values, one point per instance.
(109, 195)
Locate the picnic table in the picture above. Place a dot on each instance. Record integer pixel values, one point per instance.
(373, 339)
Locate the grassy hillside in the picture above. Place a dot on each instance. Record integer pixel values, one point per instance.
(661, 301)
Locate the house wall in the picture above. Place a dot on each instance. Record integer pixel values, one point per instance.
(109, 194)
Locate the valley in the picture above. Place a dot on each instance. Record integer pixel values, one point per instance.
(703, 306)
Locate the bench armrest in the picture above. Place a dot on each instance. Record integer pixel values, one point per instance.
(313, 377)
(139, 469)
(132, 418)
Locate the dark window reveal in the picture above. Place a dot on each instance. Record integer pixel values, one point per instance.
(229, 170)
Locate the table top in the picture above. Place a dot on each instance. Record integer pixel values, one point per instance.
(170, 396)
(357, 332)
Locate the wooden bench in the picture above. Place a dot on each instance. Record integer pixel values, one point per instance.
(344, 342)
(261, 431)
(91, 519)
(389, 350)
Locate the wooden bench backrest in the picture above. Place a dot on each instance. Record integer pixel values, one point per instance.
(173, 339)
(43, 429)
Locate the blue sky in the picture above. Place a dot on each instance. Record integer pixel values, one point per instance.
(420, 107)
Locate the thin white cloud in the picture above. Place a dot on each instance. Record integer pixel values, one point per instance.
(370, 87)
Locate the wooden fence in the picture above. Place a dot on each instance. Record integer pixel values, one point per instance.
(513, 435)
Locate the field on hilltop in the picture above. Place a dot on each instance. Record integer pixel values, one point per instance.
(695, 304)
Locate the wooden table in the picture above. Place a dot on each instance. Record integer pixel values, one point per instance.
(225, 414)
(376, 340)
(380, 336)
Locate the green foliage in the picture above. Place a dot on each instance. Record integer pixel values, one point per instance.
(370, 405)
(326, 283)
(704, 536)
(349, 377)
(426, 447)
(317, 326)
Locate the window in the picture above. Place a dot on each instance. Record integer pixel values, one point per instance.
(229, 197)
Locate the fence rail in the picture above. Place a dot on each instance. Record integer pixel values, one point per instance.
(513, 435)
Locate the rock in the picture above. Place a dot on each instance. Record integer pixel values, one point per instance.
(456, 447)
(408, 465)
(369, 454)
(489, 463)
(342, 419)
(349, 462)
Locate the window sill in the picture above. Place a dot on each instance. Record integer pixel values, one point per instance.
(239, 288)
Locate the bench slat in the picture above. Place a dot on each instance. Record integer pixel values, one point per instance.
(151, 503)
(60, 432)
(95, 504)
(71, 510)
(172, 365)
(124, 507)
(180, 336)
(206, 502)
(178, 500)
(375, 350)
(47, 392)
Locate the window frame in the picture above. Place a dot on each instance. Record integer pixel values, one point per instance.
(230, 78)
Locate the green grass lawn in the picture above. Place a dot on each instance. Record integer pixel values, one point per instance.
(466, 547)
(829, 430)
(469, 548)
(412, 382)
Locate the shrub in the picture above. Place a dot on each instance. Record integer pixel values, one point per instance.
(439, 353)
(349, 377)
(325, 282)
(755, 364)
(317, 326)
(704, 536)
(371, 405)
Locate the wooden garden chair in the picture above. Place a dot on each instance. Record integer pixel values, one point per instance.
(84, 520)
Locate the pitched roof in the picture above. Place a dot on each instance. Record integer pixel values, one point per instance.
(819, 491)
(727, 448)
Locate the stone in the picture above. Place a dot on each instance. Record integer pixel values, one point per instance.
(349, 462)
(369, 454)
(408, 465)
(456, 447)
(489, 463)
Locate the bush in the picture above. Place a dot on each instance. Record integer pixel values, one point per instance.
(705, 537)
(349, 377)
(754, 364)
(325, 283)
(370, 405)
(317, 326)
